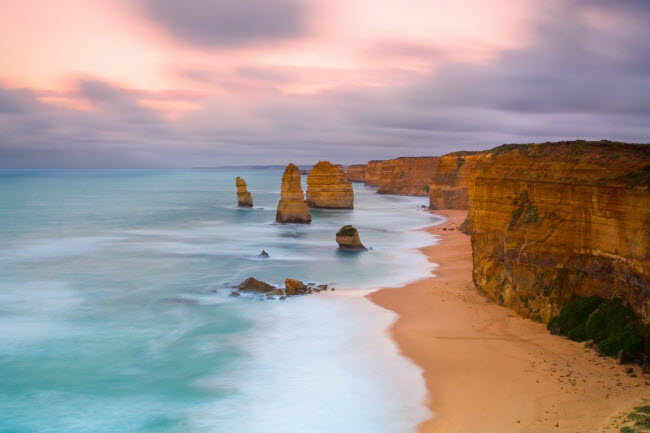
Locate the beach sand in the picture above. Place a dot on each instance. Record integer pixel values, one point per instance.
(489, 370)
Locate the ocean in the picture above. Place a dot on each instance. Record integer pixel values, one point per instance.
(115, 314)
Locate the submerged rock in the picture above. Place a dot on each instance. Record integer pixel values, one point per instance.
(253, 285)
(263, 254)
(235, 294)
(328, 187)
(244, 198)
(348, 238)
(295, 287)
(292, 207)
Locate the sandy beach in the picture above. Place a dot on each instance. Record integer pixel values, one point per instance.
(489, 370)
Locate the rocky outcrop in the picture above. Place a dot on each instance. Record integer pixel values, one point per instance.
(328, 187)
(407, 176)
(373, 172)
(253, 285)
(292, 207)
(244, 198)
(555, 221)
(294, 287)
(357, 173)
(449, 187)
(348, 238)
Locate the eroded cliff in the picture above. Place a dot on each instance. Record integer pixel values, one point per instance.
(328, 187)
(554, 221)
(449, 187)
(406, 176)
(357, 173)
(373, 171)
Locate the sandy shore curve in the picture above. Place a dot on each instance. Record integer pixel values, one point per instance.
(487, 369)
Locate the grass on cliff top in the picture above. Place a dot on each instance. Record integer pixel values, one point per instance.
(611, 323)
(606, 148)
(347, 231)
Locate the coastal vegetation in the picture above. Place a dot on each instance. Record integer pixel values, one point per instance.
(611, 324)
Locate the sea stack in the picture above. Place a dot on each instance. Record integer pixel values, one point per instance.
(357, 173)
(328, 187)
(292, 207)
(244, 198)
(348, 238)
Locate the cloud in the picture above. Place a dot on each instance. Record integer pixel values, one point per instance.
(220, 23)
(583, 74)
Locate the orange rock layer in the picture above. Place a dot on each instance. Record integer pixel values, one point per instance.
(554, 221)
(373, 171)
(357, 173)
(292, 207)
(328, 187)
(406, 176)
(449, 188)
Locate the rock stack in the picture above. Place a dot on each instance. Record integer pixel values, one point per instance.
(292, 207)
(348, 238)
(244, 198)
(328, 187)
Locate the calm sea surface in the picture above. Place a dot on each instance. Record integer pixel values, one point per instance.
(115, 314)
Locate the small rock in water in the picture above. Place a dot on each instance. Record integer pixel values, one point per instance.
(282, 298)
(235, 294)
(278, 292)
(322, 286)
(253, 285)
(263, 254)
(348, 238)
(294, 287)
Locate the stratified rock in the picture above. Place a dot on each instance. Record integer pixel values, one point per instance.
(357, 173)
(407, 175)
(294, 287)
(243, 196)
(449, 187)
(373, 172)
(348, 238)
(552, 222)
(263, 255)
(327, 187)
(253, 285)
(292, 207)
(278, 292)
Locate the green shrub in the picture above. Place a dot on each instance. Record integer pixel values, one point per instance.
(615, 327)
(347, 231)
(573, 317)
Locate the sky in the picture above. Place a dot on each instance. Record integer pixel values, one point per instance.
(177, 83)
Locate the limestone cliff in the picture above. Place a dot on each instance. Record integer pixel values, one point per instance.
(292, 207)
(449, 188)
(357, 173)
(373, 171)
(328, 187)
(554, 221)
(244, 198)
(407, 176)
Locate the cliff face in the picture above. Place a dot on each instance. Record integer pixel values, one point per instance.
(328, 187)
(373, 171)
(244, 198)
(449, 188)
(292, 207)
(357, 173)
(407, 176)
(554, 221)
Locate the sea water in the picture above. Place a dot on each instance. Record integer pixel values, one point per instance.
(116, 314)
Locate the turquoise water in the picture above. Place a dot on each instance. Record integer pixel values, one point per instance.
(115, 314)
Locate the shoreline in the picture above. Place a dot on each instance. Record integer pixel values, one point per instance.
(487, 369)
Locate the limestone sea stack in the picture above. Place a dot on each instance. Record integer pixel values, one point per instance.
(292, 207)
(328, 187)
(244, 198)
(348, 238)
